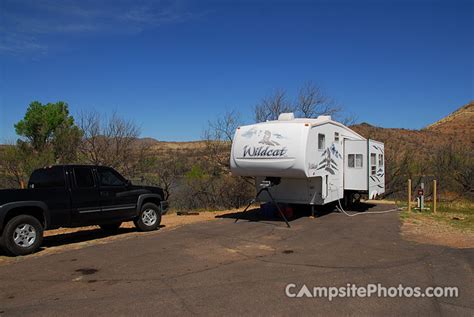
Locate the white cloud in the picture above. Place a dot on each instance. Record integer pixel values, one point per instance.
(27, 26)
(16, 44)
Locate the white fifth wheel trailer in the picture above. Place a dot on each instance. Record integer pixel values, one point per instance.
(316, 161)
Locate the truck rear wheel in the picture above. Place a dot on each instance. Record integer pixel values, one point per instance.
(22, 235)
(149, 217)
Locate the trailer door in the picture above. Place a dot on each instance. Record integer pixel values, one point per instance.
(355, 165)
(376, 171)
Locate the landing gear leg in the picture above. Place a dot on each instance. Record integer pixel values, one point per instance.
(274, 202)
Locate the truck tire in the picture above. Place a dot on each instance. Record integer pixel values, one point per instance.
(22, 235)
(149, 217)
(110, 227)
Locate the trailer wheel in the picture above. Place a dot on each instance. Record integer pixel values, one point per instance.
(22, 235)
(351, 199)
(356, 199)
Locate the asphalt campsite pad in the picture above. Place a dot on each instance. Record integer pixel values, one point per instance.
(221, 267)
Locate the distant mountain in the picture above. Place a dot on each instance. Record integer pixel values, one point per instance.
(443, 149)
(459, 118)
(458, 127)
(147, 142)
(169, 145)
(400, 141)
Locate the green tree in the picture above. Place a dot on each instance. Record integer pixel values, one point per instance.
(50, 127)
(18, 161)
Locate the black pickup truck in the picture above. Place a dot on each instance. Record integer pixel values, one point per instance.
(74, 196)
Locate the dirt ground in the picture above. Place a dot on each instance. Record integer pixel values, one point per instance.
(168, 222)
(425, 230)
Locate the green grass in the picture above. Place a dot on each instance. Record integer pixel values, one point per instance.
(458, 215)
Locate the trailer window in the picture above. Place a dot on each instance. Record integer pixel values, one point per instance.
(321, 141)
(373, 162)
(336, 136)
(355, 161)
(359, 160)
(380, 159)
(351, 160)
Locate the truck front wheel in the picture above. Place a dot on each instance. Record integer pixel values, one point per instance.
(149, 217)
(22, 235)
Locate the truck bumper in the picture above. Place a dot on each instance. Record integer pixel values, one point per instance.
(164, 207)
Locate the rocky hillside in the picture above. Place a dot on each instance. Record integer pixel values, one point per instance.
(457, 127)
(444, 150)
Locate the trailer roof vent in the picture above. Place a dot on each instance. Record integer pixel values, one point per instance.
(286, 116)
(324, 118)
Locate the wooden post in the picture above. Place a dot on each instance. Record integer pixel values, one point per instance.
(409, 195)
(434, 196)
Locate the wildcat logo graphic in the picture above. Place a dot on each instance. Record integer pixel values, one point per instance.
(265, 151)
(266, 139)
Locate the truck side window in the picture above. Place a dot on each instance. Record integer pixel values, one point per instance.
(83, 177)
(110, 178)
(336, 136)
(321, 141)
(380, 160)
(51, 177)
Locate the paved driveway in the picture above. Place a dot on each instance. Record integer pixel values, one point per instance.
(219, 267)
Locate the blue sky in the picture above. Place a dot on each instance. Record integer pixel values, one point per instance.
(173, 65)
